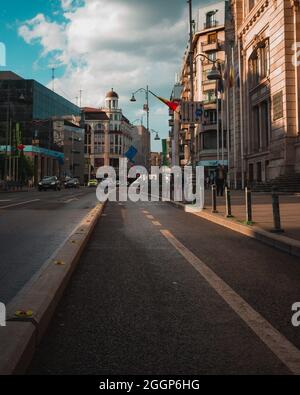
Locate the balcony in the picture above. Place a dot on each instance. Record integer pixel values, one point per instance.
(210, 103)
(211, 25)
(208, 126)
(208, 86)
(211, 46)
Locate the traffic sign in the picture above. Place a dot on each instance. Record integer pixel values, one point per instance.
(191, 112)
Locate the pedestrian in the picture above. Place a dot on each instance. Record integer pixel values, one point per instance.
(220, 180)
(207, 182)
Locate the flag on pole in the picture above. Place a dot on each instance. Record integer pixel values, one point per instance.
(173, 105)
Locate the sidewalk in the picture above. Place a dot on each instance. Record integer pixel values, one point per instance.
(262, 211)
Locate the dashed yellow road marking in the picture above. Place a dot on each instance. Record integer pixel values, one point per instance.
(156, 223)
(288, 354)
(150, 217)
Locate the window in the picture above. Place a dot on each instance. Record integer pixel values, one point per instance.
(212, 38)
(210, 140)
(253, 70)
(210, 96)
(210, 117)
(259, 64)
(210, 19)
(264, 60)
(212, 56)
(98, 127)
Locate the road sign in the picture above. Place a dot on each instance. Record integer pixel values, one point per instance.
(191, 112)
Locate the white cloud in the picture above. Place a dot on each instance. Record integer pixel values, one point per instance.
(124, 44)
(109, 43)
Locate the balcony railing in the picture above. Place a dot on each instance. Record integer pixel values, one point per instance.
(210, 100)
(213, 45)
(211, 24)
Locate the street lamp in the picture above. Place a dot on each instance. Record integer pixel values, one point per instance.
(215, 74)
(157, 138)
(140, 120)
(133, 100)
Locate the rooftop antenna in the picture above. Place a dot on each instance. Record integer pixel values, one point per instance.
(53, 79)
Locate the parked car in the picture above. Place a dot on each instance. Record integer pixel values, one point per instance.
(93, 183)
(72, 183)
(49, 183)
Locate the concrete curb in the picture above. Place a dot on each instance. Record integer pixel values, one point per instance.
(21, 336)
(280, 242)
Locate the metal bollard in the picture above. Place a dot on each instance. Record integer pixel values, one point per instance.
(214, 199)
(228, 203)
(276, 213)
(249, 218)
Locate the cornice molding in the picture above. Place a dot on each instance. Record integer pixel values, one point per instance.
(254, 15)
(295, 5)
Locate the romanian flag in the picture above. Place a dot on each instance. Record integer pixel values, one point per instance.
(173, 105)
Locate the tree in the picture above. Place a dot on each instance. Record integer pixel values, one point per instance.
(26, 167)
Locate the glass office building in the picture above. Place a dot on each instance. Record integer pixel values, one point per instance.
(30, 107)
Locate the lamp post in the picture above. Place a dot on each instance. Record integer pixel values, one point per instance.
(133, 100)
(157, 138)
(140, 120)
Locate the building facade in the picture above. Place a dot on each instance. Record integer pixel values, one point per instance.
(108, 135)
(210, 136)
(142, 143)
(265, 124)
(27, 109)
(69, 136)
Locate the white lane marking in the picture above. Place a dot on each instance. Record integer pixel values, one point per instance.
(150, 217)
(273, 339)
(19, 204)
(156, 223)
(70, 200)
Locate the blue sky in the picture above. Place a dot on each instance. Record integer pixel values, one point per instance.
(99, 44)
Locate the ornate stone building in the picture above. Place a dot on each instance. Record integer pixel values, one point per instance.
(108, 135)
(264, 125)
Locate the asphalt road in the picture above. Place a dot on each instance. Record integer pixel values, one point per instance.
(32, 226)
(137, 305)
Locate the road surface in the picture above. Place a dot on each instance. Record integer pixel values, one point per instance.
(32, 227)
(159, 291)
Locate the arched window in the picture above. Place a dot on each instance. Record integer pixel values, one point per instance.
(259, 63)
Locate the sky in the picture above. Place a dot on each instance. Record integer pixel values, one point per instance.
(96, 45)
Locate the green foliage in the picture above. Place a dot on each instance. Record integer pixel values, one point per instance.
(26, 167)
